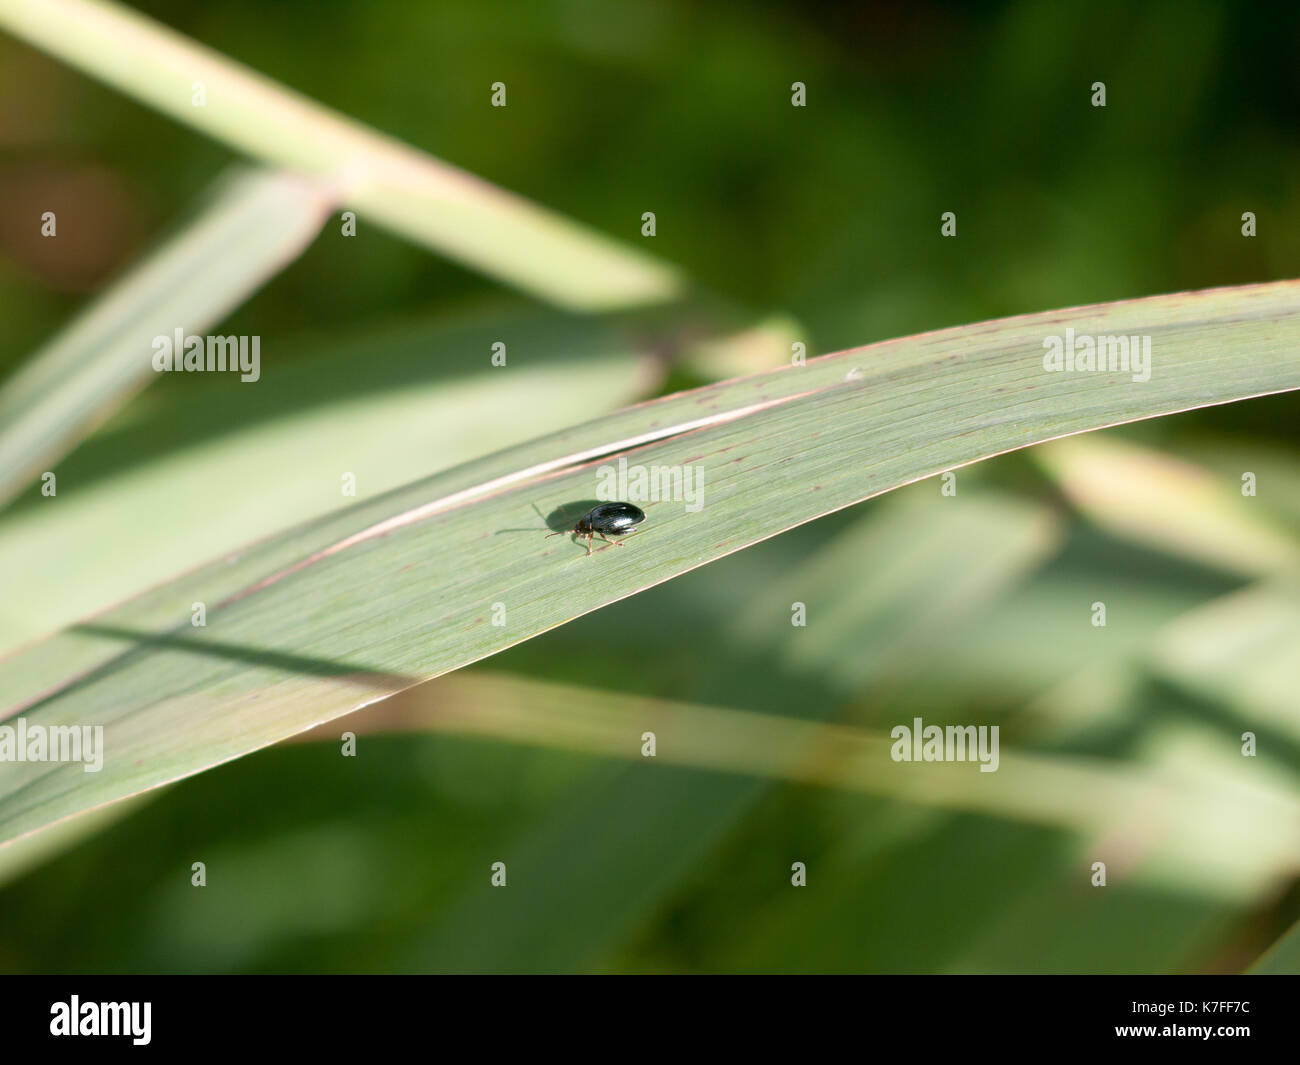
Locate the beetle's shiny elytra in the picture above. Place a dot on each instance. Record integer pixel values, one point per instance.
(617, 519)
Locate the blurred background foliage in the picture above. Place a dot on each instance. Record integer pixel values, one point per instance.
(973, 609)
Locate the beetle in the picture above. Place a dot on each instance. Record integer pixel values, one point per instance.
(617, 519)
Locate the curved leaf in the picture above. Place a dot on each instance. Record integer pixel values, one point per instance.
(341, 612)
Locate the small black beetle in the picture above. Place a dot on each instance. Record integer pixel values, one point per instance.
(616, 519)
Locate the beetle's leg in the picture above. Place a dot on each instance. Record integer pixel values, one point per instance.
(589, 544)
(619, 543)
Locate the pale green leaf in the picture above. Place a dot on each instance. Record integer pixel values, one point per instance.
(256, 223)
(385, 181)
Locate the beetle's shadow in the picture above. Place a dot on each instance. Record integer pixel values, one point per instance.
(563, 518)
